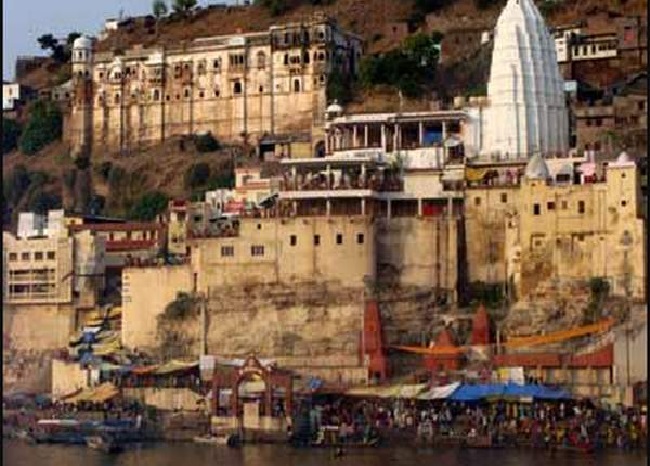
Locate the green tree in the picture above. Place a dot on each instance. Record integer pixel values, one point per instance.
(47, 42)
(159, 8)
(149, 206)
(183, 6)
(41, 201)
(15, 184)
(197, 175)
(276, 7)
(206, 143)
(45, 125)
(10, 135)
(422, 48)
(339, 87)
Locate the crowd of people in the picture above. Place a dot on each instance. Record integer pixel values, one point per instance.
(552, 425)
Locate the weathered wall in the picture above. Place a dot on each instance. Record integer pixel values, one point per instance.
(31, 333)
(169, 399)
(576, 232)
(485, 222)
(419, 252)
(347, 262)
(67, 377)
(631, 352)
(146, 291)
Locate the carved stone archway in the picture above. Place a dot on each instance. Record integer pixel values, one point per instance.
(270, 375)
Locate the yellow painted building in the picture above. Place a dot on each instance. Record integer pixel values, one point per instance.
(575, 232)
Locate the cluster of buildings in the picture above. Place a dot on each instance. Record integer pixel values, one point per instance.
(351, 248)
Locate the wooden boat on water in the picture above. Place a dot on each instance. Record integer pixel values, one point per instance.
(103, 443)
(231, 440)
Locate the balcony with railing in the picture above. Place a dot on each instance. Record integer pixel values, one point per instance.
(331, 180)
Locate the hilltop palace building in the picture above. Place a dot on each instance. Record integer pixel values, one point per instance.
(238, 87)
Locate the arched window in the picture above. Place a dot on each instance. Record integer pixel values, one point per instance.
(296, 85)
(156, 94)
(236, 89)
(87, 74)
(306, 37)
(286, 58)
(187, 93)
(80, 54)
(117, 98)
(305, 57)
(261, 59)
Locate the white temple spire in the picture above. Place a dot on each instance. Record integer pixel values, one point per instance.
(527, 110)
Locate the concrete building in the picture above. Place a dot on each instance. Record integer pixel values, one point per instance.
(11, 96)
(239, 87)
(46, 265)
(572, 232)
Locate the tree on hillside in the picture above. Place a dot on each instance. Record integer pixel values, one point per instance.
(276, 7)
(60, 52)
(149, 206)
(159, 8)
(45, 125)
(10, 134)
(71, 38)
(47, 42)
(183, 6)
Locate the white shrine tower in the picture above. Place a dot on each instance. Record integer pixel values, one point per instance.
(527, 111)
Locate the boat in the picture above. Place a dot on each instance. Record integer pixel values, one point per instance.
(104, 443)
(211, 439)
(231, 440)
(22, 434)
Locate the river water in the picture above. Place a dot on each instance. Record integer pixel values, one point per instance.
(17, 453)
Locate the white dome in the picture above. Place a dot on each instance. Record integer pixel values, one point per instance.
(82, 42)
(527, 110)
(623, 158)
(335, 108)
(537, 168)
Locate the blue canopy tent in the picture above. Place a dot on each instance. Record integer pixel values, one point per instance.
(470, 393)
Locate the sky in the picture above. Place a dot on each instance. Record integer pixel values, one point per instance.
(24, 21)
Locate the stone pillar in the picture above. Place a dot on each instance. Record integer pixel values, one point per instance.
(419, 207)
(420, 134)
(396, 138)
(388, 209)
(444, 131)
(327, 143)
(294, 175)
(363, 174)
(383, 137)
(294, 207)
(268, 398)
(327, 175)
(365, 135)
(328, 207)
(354, 136)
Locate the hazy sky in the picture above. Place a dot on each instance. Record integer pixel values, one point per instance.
(24, 21)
